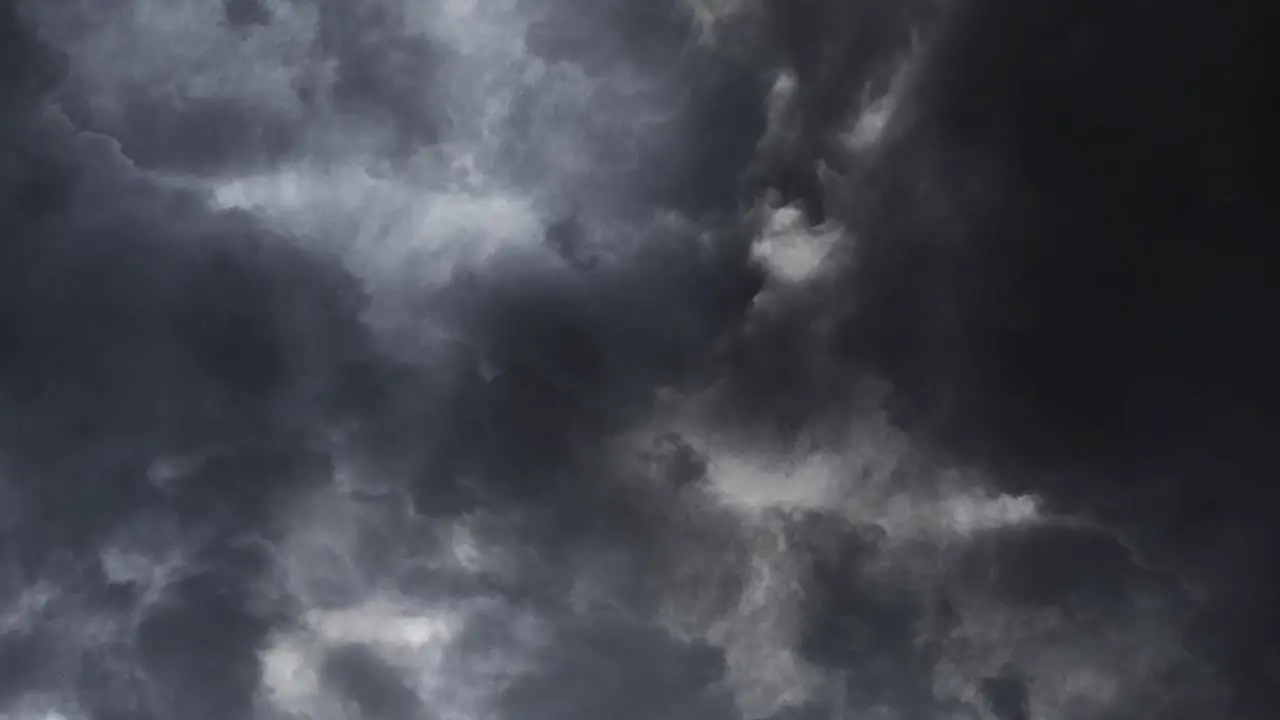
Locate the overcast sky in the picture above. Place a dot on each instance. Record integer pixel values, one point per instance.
(637, 360)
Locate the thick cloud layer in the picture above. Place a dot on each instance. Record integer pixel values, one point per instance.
(706, 359)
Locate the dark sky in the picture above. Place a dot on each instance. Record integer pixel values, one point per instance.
(638, 359)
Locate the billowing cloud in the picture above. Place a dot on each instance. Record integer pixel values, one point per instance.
(700, 359)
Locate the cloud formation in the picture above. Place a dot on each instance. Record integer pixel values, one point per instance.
(553, 359)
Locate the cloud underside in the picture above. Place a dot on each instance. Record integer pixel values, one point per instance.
(549, 359)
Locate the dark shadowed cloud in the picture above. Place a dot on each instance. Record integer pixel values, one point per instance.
(707, 359)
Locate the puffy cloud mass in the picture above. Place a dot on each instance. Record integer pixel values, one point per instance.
(714, 359)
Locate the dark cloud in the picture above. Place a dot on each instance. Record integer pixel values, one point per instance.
(1058, 252)
(192, 134)
(246, 13)
(708, 104)
(280, 86)
(1005, 450)
(383, 68)
(157, 355)
(1088, 272)
(622, 672)
(181, 365)
(1007, 697)
(1065, 273)
(867, 631)
(371, 685)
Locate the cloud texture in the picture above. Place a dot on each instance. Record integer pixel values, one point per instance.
(559, 360)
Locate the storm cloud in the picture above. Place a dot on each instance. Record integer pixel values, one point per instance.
(705, 359)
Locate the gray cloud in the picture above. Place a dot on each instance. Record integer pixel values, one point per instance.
(712, 359)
